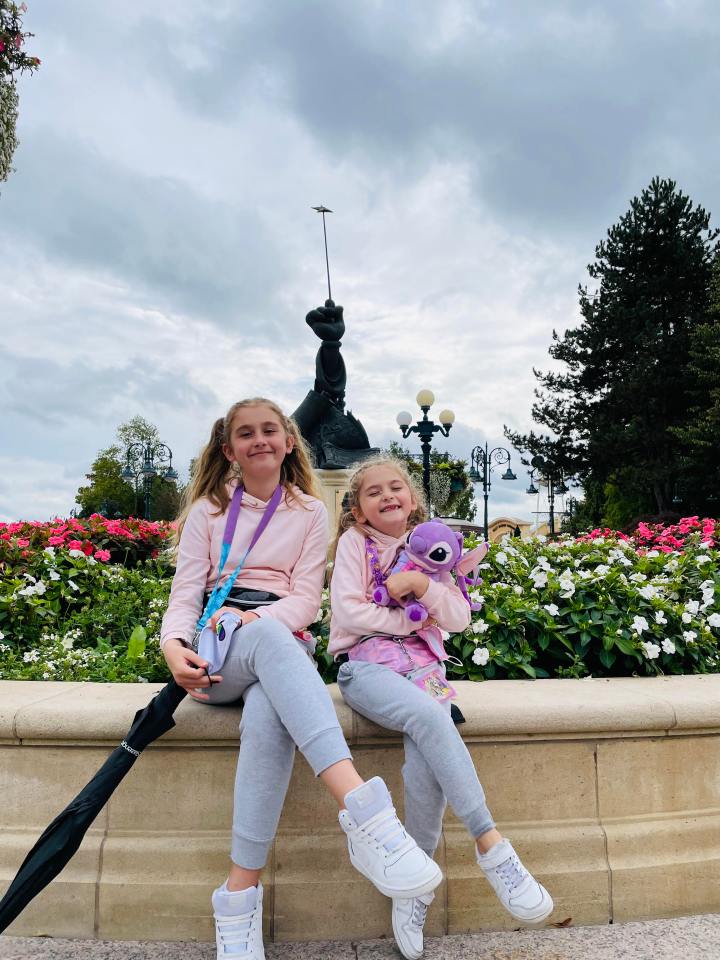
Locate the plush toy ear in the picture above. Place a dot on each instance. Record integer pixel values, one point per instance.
(472, 558)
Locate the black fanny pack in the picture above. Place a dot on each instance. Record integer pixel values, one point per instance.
(247, 599)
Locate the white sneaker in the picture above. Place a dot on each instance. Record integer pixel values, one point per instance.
(518, 891)
(408, 920)
(238, 923)
(379, 847)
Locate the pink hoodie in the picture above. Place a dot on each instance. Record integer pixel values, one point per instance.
(289, 559)
(355, 615)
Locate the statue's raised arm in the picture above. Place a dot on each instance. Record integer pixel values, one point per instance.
(336, 438)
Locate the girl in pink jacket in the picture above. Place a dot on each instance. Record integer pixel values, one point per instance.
(253, 516)
(393, 674)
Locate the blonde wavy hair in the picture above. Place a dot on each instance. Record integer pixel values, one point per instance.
(213, 470)
(347, 519)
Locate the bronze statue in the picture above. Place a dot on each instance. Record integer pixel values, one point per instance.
(336, 438)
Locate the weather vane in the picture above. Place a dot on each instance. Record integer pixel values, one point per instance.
(323, 210)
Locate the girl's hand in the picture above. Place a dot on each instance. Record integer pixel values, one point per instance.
(247, 616)
(399, 585)
(188, 668)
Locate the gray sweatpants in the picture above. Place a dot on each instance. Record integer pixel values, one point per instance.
(286, 704)
(437, 765)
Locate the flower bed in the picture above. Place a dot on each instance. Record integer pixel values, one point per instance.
(605, 604)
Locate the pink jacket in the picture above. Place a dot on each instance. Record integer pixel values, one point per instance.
(289, 559)
(354, 615)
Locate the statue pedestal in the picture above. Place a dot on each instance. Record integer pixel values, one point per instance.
(334, 485)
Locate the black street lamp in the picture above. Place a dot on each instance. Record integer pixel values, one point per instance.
(145, 460)
(481, 466)
(425, 429)
(552, 474)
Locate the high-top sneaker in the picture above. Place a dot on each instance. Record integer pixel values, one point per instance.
(238, 923)
(516, 888)
(408, 920)
(380, 848)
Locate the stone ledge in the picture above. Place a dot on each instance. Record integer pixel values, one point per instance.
(608, 789)
(540, 709)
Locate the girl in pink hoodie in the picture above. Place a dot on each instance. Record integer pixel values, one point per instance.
(393, 674)
(274, 551)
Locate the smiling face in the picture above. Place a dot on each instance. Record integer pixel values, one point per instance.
(258, 442)
(385, 501)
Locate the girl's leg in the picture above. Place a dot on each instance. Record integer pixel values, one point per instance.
(265, 651)
(264, 768)
(391, 700)
(424, 799)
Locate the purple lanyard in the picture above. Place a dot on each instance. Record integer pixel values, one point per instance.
(219, 594)
(372, 555)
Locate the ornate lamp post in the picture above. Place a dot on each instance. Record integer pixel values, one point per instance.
(425, 429)
(552, 475)
(482, 462)
(145, 460)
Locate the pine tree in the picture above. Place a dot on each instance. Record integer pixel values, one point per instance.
(627, 383)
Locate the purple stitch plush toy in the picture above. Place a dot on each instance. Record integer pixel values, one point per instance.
(432, 548)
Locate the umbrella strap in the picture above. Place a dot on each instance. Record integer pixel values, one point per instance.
(219, 594)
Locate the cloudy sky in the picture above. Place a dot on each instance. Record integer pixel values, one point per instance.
(158, 252)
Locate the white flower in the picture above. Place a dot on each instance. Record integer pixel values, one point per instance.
(601, 569)
(76, 553)
(544, 563)
(692, 606)
(714, 620)
(31, 656)
(638, 577)
(2, 635)
(653, 553)
(660, 616)
(552, 609)
(518, 589)
(704, 559)
(539, 579)
(648, 592)
(687, 617)
(480, 626)
(639, 624)
(689, 636)
(708, 585)
(67, 641)
(27, 591)
(651, 650)
(480, 656)
(40, 588)
(501, 557)
(50, 551)
(668, 646)
(71, 583)
(671, 564)
(625, 561)
(53, 574)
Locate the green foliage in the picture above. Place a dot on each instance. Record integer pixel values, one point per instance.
(13, 60)
(627, 383)
(109, 494)
(451, 493)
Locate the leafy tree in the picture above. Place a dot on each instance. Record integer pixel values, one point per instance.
(108, 493)
(699, 483)
(13, 60)
(451, 493)
(626, 383)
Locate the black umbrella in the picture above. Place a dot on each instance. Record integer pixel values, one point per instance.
(61, 839)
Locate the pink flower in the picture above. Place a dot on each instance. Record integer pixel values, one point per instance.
(23, 543)
(18, 42)
(74, 544)
(103, 555)
(2, 46)
(56, 541)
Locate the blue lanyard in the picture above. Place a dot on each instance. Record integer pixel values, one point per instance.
(219, 594)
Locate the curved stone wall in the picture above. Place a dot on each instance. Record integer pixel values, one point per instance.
(609, 789)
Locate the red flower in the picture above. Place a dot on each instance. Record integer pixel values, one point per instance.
(87, 548)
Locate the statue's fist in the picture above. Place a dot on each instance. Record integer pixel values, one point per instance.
(327, 322)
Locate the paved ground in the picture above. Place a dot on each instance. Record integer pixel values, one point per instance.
(684, 938)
